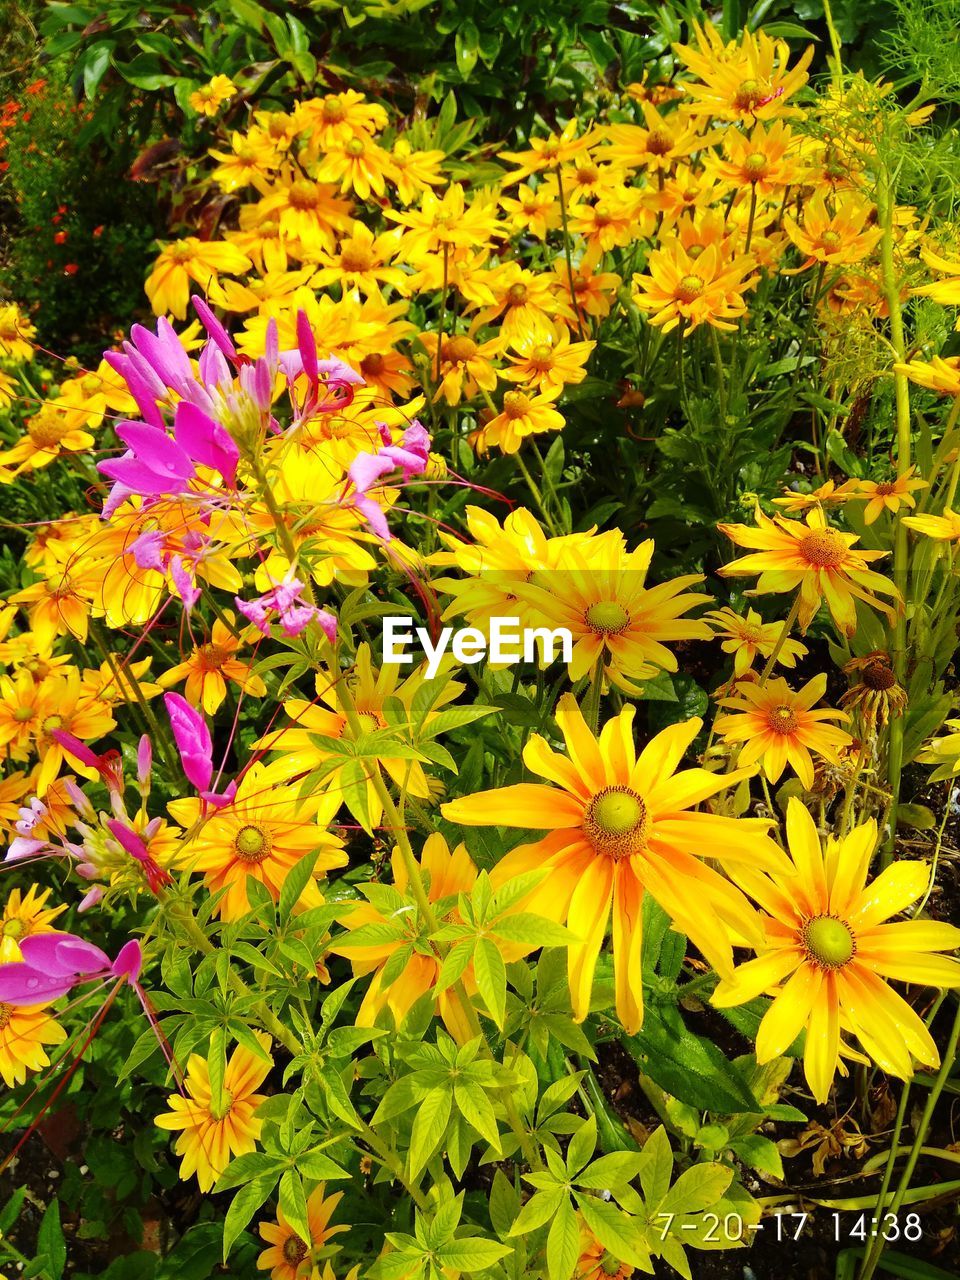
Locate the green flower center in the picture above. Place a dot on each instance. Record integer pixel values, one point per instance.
(13, 928)
(226, 1102)
(51, 723)
(607, 618)
(829, 941)
(23, 714)
(252, 844)
(615, 822)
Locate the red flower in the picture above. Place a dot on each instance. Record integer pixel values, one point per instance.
(60, 237)
(70, 269)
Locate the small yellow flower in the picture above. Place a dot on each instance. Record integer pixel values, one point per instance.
(838, 239)
(747, 637)
(943, 528)
(779, 727)
(23, 916)
(289, 1257)
(521, 416)
(24, 1031)
(888, 495)
(210, 97)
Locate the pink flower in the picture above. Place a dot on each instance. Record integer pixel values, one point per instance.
(157, 878)
(53, 963)
(193, 740)
(292, 613)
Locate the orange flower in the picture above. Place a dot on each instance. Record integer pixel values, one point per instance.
(779, 727)
(706, 289)
(838, 239)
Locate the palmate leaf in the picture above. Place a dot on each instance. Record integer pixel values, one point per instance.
(563, 1242)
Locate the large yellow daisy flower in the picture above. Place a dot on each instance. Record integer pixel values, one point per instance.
(24, 1030)
(828, 950)
(210, 1136)
(618, 824)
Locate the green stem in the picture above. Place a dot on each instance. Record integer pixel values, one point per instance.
(891, 288)
(721, 389)
(131, 682)
(443, 310)
(566, 250)
(946, 1066)
(781, 639)
(752, 216)
(591, 710)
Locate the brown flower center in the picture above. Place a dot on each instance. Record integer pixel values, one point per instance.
(886, 488)
(517, 294)
(782, 719)
(251, 843)
(355, 257)
(303, 195)
(459, 350)
(828, 941)
(748, 95)
(616, 823)
(823, 548)
(879, 676)
(213, 656)
(6, 1012)
(659, 142)
(607, 618)
(294, 1250)
(372, 365)
(689, 288)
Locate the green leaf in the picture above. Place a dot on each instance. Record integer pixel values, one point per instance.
(759, 1153)
(616, 1231)
(697, 1189)
(491, 976)
(688, 1066)
(471, 1254)
(96, 60)
(298, 877)
(538, 1210)
(582, 1146)
(217, 1066)
(535, 931)
(613, 1170)
(242, 1208)
(563, 1242)
(293, 1202)
(317, 1167)
(429, 1126)
(477, 1109)
(504, 1203)
(50, 1242)
(466, 47)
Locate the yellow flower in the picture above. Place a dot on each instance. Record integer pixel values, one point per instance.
(827, 952)
(939, 374)
(877, 693)
(23, 915)
(888, 495)
(525, 302)
(535, 210)
(618, 825)
(24, 1030)
(50, 434)
(548, 365)
(520, 416)
(210, 97)
(264, 831)
(448, 874)
(593, 291)
(598, 592)
(362, 261)
(211, 1134)
(827, 494)
(93, 396)
(359, 165)
(946, 292)
(210, 666)
(202, 261)
(446, 220)
(743, 81)
(622, 216)
(309, 214)
(465, 365)
(749, 636)
(943, 752)
(839, 238)
(764, 159)
(708, 288)
(16, 332)
(943, 528)
(414, 171)
(779, 727)
(250, 162)
(545, 153)
(336, 117)
(289, 1257)
(59, 605)
(819, 561)
(663, 140)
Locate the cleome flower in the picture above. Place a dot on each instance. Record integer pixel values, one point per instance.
(828, 951)
(618, 825)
